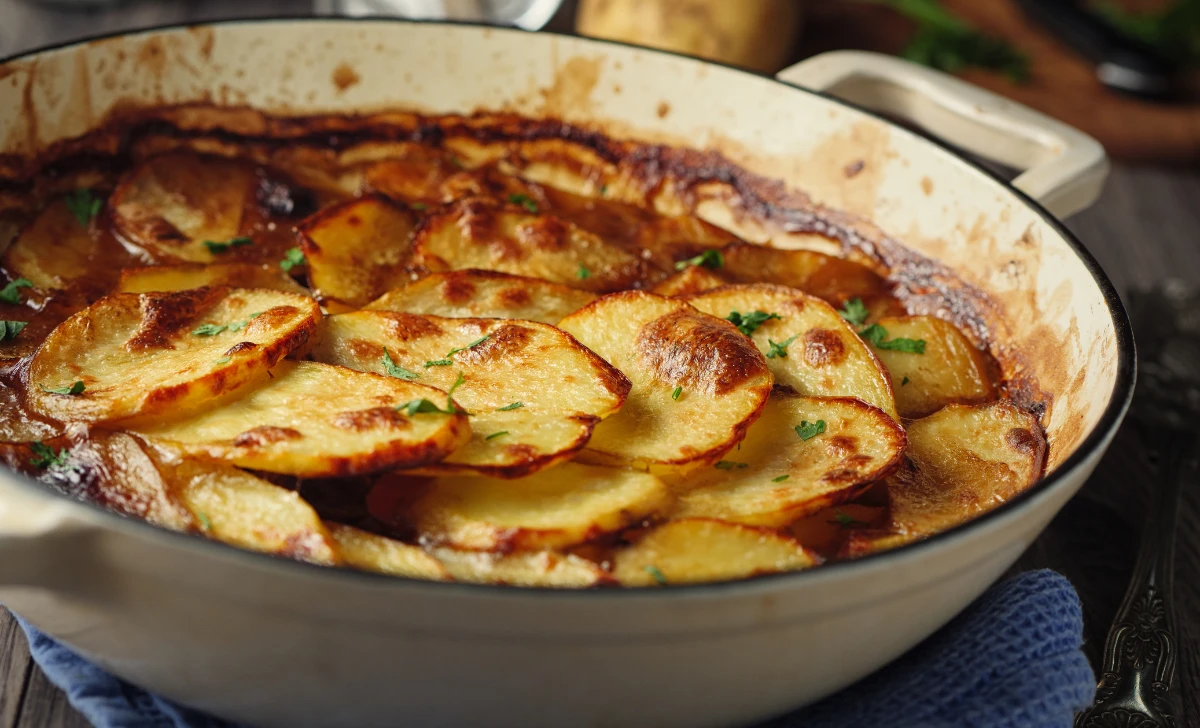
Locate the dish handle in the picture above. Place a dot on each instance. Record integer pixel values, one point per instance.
(39, 535)
(1062, 168)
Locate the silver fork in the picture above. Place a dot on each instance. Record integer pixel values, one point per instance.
(1137, 685)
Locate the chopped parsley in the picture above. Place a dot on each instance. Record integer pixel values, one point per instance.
(10, 329)
(423, 406)
(524, 201)
(83, 204)
(395, 370)
(76, 388)
(292, 258)
(845, 520)
(675, 395)
(205, 523)
(438, 363)
(419, 206)
(904, 382)
(855, 311)
(44, 456)
(748, 323)
(730, 465)
(214, 329)
(780, 479)
(12, 292)
(656, 574)
(510, 407)
(222, 360)
(808, 430)
(944, 41)
(877, 336)
(603, 190)
(447, 361)
(225, 246)
(707, 259)
(583, 273)
(494, 435)
(779, 349)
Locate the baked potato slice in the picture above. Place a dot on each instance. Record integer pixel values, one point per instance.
(948, 370)
(824, 276)
(802, 455)
(690, 280)
(371, 552)
(314, 420)
(185, 276)
(57, 248)
(534, 393)
(698, 384)
(694, 550)
(485, 294)
(358, 249)
(809, 347)
(522, 568)
(20, 423)
(827, 530)
(511, 238)
(157, 354)
(553, 508)
(670, 241)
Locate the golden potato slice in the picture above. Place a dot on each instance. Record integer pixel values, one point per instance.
(696, 550)
(486, 294)
(815, 351)
(480, 233)
(165, 353)
(777, 476)
(697, 383)
(670, 240)
(826, 530)
(314, 420)
(553, 508)
(522, 568)
(21, 424)
(57, 249)
(692, 279)
(371, 552)
(949, 369)
(185, 276)
(824, 276)
(357, 249)
(534, 392)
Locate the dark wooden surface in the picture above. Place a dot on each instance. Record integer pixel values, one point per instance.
(1144, 229)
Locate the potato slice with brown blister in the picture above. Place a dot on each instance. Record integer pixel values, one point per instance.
(776, 476)
(186, 276)
(314, 420)
(480, 233)
(950, 370)
(358, 249)
(697, 382)
(56, 250)
(695, 550)
(372, 552)
(692, 279)
(824, 276)
(165, 353)
(815, 352)
(522, 568)
(553, 508)
(530, 381)
(486, 294)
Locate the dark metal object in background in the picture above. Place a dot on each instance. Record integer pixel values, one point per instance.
(1137, 685)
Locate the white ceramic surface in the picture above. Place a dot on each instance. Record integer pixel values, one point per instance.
(276, 643)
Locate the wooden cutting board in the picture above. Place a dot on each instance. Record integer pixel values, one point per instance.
(1062, 84)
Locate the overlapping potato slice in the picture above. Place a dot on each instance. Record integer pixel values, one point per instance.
(696, 550)
(521, 568)
(530, 381)
(21, 424)
(372, 552)
(827, 530)
(487, 294)
(481, 233)
(824, 276)
(553, 508)
(949, 370)
(690, 280)
(697, 382)
(776, 476)
(357, 249)
(165, 353)
(56, 249)
(817, 353)
(315, 420)
(670, 240)
(185, 276)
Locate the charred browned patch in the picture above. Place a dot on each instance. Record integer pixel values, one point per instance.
(408, 326)
(521, 451)
(241, 346)
(456, 289)
(166, 314)
(501, 342)
(272, 318)
(698, 352)
(1022, 440)
(266, 435)
(362, 349)
(344, 76)
(823, 347)
(376, 418)
(842, 445)
(514, 297)
(544, 233)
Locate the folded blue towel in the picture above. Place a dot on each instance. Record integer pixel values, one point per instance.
(1012, 658)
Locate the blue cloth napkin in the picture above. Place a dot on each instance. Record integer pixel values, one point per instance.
(1011, 659)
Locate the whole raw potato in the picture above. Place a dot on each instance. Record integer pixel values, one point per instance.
(756, 34)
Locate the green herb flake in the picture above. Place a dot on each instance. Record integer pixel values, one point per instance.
(904, 382)
(730, 465)
(748, 323)
(205, 523)
(603, 190)
(524, 201)
(438, 363)
(44, 456)
(876, 335)
(845, 520)
(808, 430)
(208, 329)
(239, 325)
(583, 273)
(780, 479)
(510, 407)
(217, 248)
(395, 370)
(779, 348)
(855, 311)
(10, 329)
(708, 259)
(292, 258)
(419, 206)
(84, 205)
(675, 395)
(656, 574)
(450, 407)
(12, 292)
(494, 435)
(422, 406)
(943, 41)
(76, 388)
(222, 360)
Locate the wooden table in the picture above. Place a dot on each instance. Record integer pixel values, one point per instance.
(1144, 229)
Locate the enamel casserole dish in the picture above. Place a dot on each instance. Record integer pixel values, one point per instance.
(266, 641)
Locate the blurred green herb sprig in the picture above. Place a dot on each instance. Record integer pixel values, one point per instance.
(1173, 31)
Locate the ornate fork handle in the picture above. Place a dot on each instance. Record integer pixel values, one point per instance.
(1138, 680)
